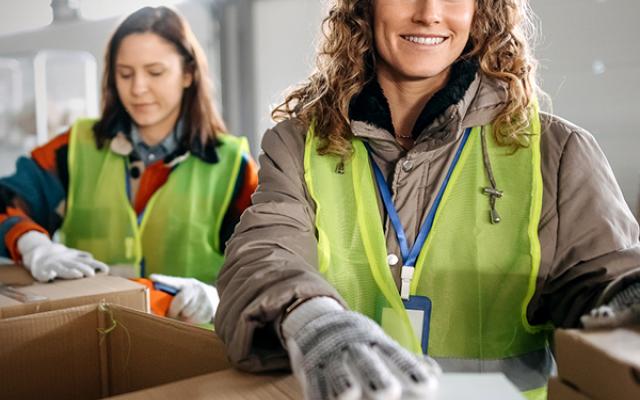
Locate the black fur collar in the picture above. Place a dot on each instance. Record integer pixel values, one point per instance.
(371, 105)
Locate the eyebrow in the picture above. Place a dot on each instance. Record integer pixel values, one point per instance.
(153, 64)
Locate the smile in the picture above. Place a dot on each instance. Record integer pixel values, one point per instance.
(428, 41)
(143, 106)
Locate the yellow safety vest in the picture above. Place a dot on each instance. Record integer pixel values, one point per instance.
(179, 232)
(479, 276)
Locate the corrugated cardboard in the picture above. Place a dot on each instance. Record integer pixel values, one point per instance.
(559, 390)
(235, 385)
(67, 293)
(601, 364)
(79, 353)
(229, 384)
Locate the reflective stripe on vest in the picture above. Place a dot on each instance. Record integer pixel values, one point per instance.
(180, 230)
(480, 276)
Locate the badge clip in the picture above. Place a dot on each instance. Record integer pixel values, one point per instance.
(406, 276)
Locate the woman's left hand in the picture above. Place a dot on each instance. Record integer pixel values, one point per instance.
(623, 309)
(196, 302)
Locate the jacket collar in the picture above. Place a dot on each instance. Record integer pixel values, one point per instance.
(478, 104)
(124, 143)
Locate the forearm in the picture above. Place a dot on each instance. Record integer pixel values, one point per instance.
(13, 224)
(268, 267)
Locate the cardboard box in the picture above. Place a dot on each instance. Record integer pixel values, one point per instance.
(95, 351)
(601, 364)
(228, 384)
(235, 385)
(560, 390)
(24, 296)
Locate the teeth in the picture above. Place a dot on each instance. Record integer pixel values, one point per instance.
(425, 40)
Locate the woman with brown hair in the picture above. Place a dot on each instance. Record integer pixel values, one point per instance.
(413, 199)
(155, 183)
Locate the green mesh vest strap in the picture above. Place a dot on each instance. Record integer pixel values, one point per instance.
(179, 233)
(98, 218)
(485, 279)
(352, 257)
(480, 276)
(187, 212)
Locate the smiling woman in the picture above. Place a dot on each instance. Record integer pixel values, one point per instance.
(414, 199)
(416, 47)
(155, 184)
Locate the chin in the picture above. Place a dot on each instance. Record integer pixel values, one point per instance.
(142, 121)
(421, 74)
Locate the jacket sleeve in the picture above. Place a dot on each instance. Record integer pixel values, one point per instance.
(33, 197)
(596, 250)
(271, 259)
(245, 186)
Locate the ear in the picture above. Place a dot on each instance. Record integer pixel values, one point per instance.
(187, 79)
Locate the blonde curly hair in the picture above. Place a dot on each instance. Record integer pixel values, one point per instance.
(500, 35)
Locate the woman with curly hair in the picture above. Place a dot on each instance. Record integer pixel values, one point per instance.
(413, 199)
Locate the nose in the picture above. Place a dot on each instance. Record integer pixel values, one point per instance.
(428, 12)
(138, 85)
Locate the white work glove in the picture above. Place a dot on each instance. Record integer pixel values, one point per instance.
(196, 302)
(48, 260)
(339, 354)
(623, 309)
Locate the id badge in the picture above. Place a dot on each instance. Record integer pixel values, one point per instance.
(419, 312)
(418, 309)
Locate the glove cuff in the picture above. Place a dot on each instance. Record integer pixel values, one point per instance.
(30, 241)
(307, 312)
(626, 297)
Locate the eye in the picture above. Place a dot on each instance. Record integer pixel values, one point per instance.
(125, 76)
(156, 72)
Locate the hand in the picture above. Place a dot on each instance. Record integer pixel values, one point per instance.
(47, 260)
(344, 355)
(196, 302)
(623, 309)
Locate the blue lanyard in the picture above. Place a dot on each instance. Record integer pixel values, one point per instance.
(409, 257)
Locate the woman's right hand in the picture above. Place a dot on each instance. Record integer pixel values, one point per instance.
(47, 260)
(342, 354)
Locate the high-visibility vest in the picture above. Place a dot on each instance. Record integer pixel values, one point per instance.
(179, 231)
(479, 276)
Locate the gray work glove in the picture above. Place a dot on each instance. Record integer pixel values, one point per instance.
(623, 309)
(339, 354)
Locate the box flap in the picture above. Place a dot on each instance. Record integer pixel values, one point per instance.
(146, 351)
(7, 302)
(54, 353)
(601, 364)
(559, 390)
(15, 275)
(72, 293)
(229, 384)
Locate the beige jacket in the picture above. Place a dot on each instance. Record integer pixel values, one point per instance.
(588, 236)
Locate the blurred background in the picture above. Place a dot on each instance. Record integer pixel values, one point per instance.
(51, 60)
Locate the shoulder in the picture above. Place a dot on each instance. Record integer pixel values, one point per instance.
(561, 138)
(47, 155)
(573, 164)
(286, 136)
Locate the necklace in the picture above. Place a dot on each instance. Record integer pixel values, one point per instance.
(404, 136)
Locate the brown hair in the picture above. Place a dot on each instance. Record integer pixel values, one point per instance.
(345, 62)
(201, 120)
